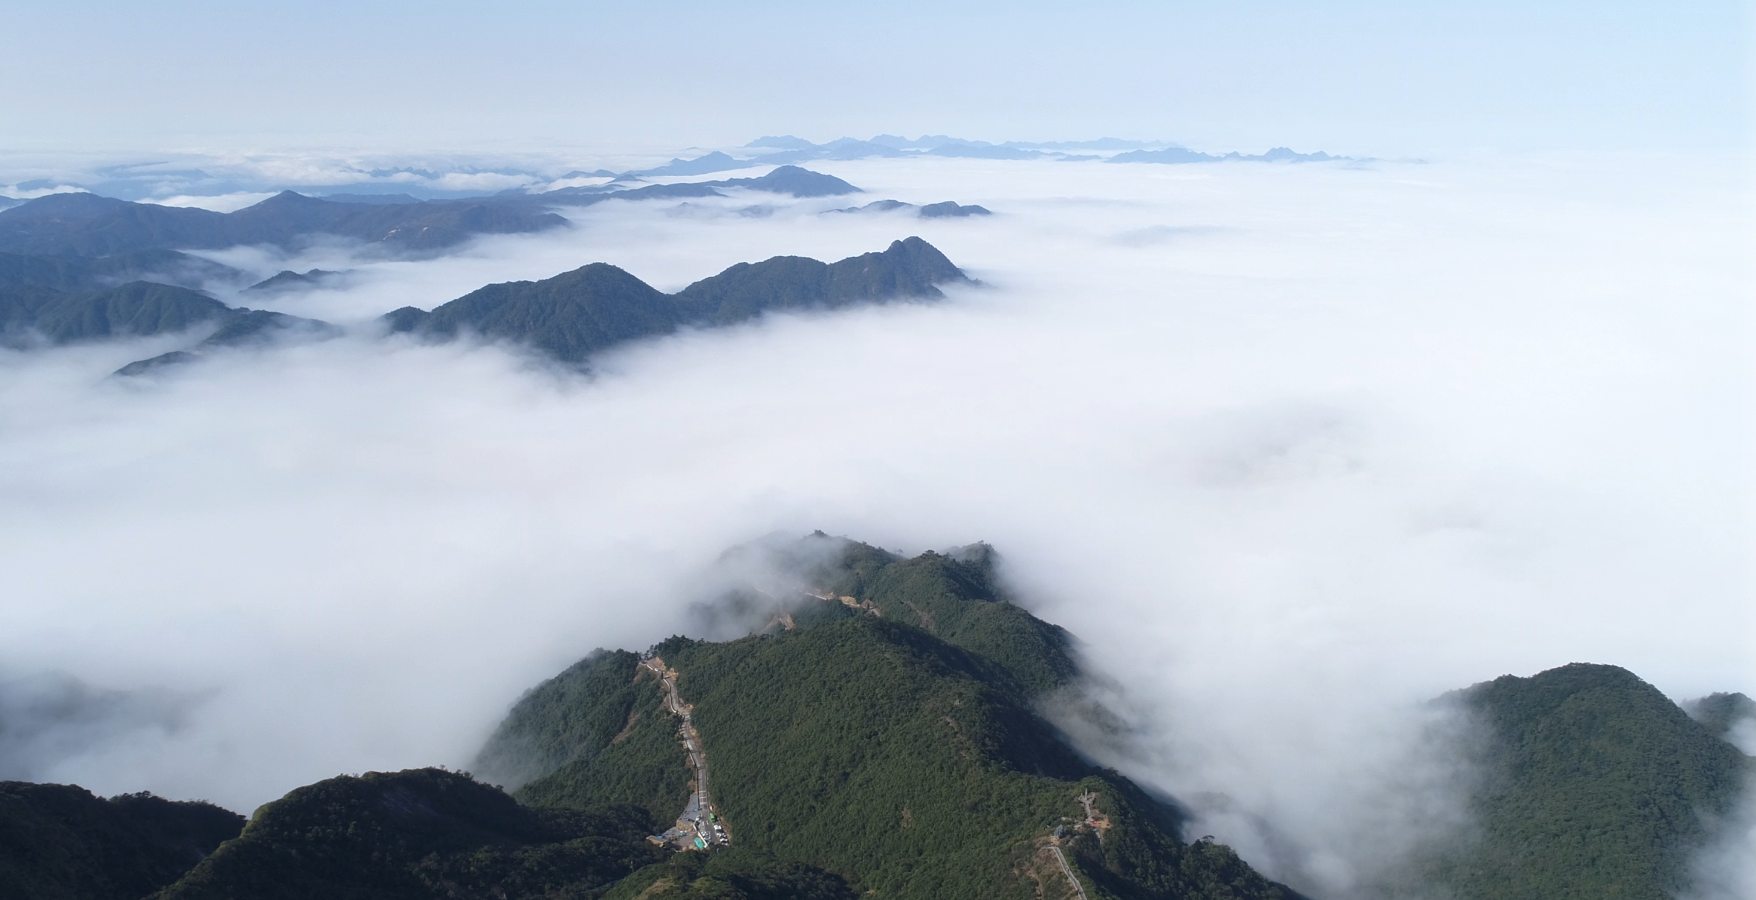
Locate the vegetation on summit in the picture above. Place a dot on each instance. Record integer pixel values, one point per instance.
(882, 742)
(92, 226)
(58, 842)
(576, 314)
(420, 833)
(1599, 788)
(877, 737)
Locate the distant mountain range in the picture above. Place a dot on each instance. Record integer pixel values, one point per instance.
(86, 225)
(136, 309)
(788, 150)
(93, 226)
(576, 314)
(65, 300)
(62, 300)
(946, 210)
(876, 734)
(1183, 155)
(57, 230)
(347, 180)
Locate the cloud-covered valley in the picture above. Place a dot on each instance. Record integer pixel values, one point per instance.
(1291, 448)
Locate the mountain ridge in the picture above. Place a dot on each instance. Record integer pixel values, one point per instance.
(587, 310)
(80, 224)
(864, 734)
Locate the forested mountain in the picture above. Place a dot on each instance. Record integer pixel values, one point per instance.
(948, 209)
(594, 307)
(89, 225)
(77, 273)
(240, 327)
(416, 835)
(790, 180)
(58, 842)
(1598, 788)
(884, 734)
(138, 308)
(1721, 712)
(874, 734)
(569, 316)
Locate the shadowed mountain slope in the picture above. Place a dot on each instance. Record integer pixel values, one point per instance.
(140, 309)
(731, 874)
(420, 834)
(795, 182)
(864, 744)
(1599, 788)
(908, 268)
(594, 307)
(569, 316)
(287, 280)
(58, 842)
(1721, 712)
(136, 309)
(74, 273)
(89, 225)
(789, 180)
(240, 328)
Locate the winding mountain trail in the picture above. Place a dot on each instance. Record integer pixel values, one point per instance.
(699, 826)
(1067, 870)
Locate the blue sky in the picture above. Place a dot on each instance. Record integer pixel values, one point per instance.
(1377, 78)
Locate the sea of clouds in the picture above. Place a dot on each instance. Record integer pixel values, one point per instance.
(1292, 449)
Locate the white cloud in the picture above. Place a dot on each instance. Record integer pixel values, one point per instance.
(17, 193)
(1328, 444)
(224, 203)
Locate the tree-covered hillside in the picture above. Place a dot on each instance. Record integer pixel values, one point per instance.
(882, 744)
(1722, 712)
(77, 273)
(58, 842)
(93, 226)
(908, 268)
(1598, 788)
(592, 308)
(593, 734)
(420, 834)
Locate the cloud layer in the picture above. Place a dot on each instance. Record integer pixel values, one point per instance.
(1291, 449)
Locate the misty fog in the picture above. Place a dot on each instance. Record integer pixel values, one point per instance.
(1292, 449)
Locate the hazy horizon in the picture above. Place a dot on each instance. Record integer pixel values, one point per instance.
(1362, 77)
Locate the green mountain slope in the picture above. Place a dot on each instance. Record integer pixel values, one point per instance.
(1720, 712)
(903, 759)
(908, 268)
(58, 842)
(594, 734)
(731, 874)
(569, 316)
(1599, 788)
(576, 314)
(75, 273)
(138, 308)
(93, 226)
(794, 181)
(421, 834)
(31, 314)
(239, 327)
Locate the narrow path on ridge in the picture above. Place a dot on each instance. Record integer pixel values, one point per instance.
(699, 826)
(1068, 871)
